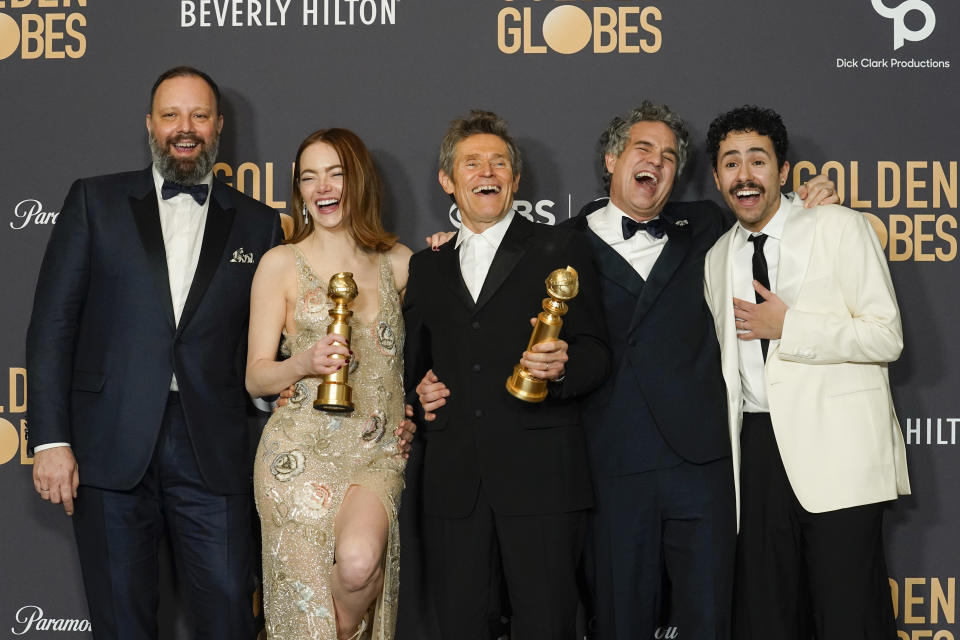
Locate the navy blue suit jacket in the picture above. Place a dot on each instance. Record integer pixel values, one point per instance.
(102, 344)
(666, 374)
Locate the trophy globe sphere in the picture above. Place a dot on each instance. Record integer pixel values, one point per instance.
(563, 284)
(342, 288)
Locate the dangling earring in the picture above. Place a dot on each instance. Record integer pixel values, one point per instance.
(306, 216)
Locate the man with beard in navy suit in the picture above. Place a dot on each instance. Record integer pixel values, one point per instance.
(135, 356)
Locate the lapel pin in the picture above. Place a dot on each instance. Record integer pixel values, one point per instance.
(240, 256)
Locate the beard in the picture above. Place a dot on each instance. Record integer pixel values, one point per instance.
(186, 172)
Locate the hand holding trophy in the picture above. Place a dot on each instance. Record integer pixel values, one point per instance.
(334, 394)
(562, 285)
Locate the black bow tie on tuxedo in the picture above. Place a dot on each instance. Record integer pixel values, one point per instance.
(656, 227)
(197, 191)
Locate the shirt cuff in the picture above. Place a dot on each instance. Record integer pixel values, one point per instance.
(50, 445)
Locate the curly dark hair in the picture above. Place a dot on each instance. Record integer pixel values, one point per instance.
(759, 120)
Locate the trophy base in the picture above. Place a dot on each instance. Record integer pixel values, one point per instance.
(333, 396)
(523, 386)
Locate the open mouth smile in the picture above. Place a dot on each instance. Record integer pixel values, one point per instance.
(185, 146)
(747, 195)
(487, 189)
(326, 205)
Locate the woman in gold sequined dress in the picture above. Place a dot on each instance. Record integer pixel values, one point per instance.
(328, 485)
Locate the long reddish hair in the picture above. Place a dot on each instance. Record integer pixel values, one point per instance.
(360, 200)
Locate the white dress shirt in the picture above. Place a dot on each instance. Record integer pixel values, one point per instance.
(641, 250)
(478, 251)
(752, 377)
(182, 222)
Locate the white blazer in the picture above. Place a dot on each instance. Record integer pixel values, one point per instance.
(826, 380)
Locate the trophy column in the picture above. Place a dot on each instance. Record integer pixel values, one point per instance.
(562, 285)
(334, 393)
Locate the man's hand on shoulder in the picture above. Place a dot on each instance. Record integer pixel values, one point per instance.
(819, 190)
(439, 238)
(56, 476)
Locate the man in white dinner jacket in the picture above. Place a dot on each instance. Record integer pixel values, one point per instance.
(807, 320)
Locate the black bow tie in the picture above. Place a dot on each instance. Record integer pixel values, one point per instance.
(656, 227)
(197, 191)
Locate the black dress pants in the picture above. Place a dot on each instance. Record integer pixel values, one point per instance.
(663, 542)
(538, 555)
(803, 575)
(118, 537)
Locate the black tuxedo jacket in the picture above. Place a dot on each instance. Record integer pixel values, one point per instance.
(530, 458)
(102, 344)
(666, 359)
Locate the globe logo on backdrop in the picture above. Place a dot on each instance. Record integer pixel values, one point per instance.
(9, 36)
(631, 27)
(9, 441)
(28, 31)
(898, 14)
(567, 29)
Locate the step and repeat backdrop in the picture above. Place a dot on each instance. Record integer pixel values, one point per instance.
(869, 90)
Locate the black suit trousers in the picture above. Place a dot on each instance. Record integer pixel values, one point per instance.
(119, 533)
(537, 555)
(801, 574)
(660, 552)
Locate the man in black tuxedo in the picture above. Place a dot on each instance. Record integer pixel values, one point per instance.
(135, 357)
(657, 429)
(658, 439)
(505, 482)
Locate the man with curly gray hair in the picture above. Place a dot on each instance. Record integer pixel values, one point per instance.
(660, 453)
(617, 134)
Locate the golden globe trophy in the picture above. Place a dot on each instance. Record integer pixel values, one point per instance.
(562, 285)
(334, 394)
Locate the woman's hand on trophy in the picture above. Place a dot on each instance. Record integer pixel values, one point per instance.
(320, 358)
(546, 360)
(432, 394)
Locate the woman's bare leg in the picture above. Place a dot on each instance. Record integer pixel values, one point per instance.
(361, 538)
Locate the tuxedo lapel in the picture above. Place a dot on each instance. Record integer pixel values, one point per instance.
(146, 216)
(795, 249)
(509, 253)
(725, 299)
(451, 275)
(612, 266)
(219, 221)
(676, 249)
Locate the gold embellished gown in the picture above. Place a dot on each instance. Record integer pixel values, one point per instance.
(307, 459)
